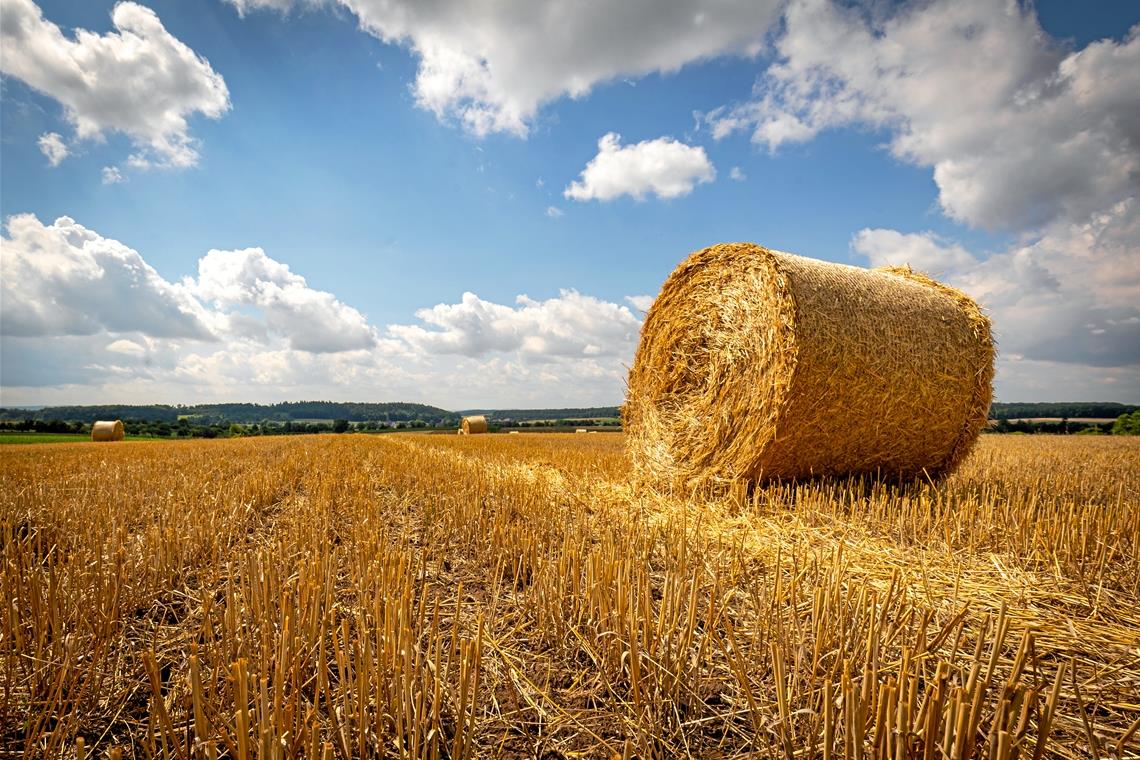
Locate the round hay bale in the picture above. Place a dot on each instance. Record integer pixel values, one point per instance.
(476, 423)
(106, 430)
(755, 364)
(581, 430)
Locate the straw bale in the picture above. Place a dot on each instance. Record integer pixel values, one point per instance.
(756, 364)
(581, 430)
(107, 430)
(476, 423)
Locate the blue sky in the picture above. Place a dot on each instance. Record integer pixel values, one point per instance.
(307, 135)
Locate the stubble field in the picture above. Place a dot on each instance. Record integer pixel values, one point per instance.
(438, 596)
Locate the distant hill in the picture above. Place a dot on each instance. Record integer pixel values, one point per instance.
(1060, 409)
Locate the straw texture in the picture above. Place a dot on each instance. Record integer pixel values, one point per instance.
(106, 430)
(756, 364)
(474, 424)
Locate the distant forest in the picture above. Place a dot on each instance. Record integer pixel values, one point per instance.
(290, 411)
(225, 420)
(1088, 409)
(528, 415)
(406, 412)
(215, 420)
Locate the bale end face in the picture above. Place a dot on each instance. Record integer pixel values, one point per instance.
(755, 364)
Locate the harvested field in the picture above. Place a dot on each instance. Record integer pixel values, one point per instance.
(445, 596)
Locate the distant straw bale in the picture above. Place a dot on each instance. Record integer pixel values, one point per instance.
(476, 423)
(107, 430)
(581, 430)
(755, 364)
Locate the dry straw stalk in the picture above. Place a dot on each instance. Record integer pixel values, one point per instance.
(756, 364)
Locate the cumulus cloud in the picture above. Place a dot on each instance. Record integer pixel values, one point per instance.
(553, 212)
(64, 279)
(139, 79)
(663, 167)
(52, 145)
(283, 6)
(642, 302)
(924, 251)
(86, 319)
(311, 320)
(1018, 130)
(737, 174)
(569, 325)
(112, 175)
(490, 64)
(127, 347)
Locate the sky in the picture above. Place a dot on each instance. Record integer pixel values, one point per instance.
(471, 204)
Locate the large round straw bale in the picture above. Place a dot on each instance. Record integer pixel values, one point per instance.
(476, 423)
(106, 430)
(756, 364)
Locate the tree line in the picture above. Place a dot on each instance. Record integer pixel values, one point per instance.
(1057, 410)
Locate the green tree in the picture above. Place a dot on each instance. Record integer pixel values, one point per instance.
(340, 426)
(1127, 424)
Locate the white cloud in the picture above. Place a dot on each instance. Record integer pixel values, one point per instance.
(52, 145)
(642, 302)
(1018, 130)
(127, 347)
(283, 6)
(924, 251)
(85, 319)
(737, 174)
(663, 167)
(139, 79)
(311, 320)
(569, 325)
(553, 212)
(491, 64)
(112, 175)
(64, 279)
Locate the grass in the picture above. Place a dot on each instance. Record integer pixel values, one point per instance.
(21, 437)
(515, 596)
